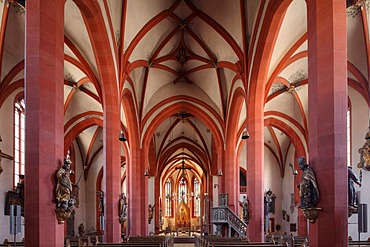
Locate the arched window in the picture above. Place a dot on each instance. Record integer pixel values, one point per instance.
(196, 197)
(183, 189)
(168, 203)
(19, 138)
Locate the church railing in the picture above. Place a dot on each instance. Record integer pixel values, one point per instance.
(224, 215)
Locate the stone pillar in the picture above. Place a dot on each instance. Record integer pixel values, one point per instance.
(327, 53)
(255, 174)
(44, 95)
(137, 194)
(112, 171)
(231, 178)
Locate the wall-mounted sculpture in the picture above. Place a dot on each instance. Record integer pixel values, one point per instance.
(150, 213)
(352, 193)
(269, 202)
(63, 193)
(364, 152)
(308, 191)
(122, 206)
(245, 207)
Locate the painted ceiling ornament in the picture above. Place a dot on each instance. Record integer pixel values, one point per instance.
(364, 152)
(354, 7)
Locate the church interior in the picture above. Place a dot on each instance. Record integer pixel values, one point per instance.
(127, 118)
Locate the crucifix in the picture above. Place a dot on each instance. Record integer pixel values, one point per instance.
(6, 156)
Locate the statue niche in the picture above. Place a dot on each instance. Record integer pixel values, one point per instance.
(182, 215)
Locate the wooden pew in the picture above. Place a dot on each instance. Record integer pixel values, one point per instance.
(144, 241)
(6, 242)
(78, 241)
(131, 244)
(356, 243)
(216, 241)
(166, 241)
(298, 241)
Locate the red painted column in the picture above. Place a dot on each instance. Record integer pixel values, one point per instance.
(327, 46)
(44, 119)
(255, 173)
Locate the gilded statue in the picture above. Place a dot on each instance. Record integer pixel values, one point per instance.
(365, 154)
(150, 212)
(63, 193)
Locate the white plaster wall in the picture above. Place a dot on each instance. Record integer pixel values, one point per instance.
(6, 177)
(273, 181)
(360, 126)
(90, 191)
(80, 212)
(288, 186)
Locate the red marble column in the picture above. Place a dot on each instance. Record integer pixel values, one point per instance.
(44, 119)
(327, 47)
(255, 174)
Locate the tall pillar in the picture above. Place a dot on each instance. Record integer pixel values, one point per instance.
(255, 174)
(44, 119)
(112, 169)
(231, 177)
(137, 193)
(327, 53)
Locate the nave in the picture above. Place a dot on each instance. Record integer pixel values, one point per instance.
(139, 117)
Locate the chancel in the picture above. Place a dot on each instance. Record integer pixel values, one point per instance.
(176, 121)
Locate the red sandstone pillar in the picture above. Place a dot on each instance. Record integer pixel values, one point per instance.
(137, 193)
(327, 47)
(255, 174)
(231, 176)
(112, 169)
(44, 122)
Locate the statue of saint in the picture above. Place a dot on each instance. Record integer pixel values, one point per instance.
(63, 191)
(122, 208)
(308, 190)
(352, 194)
(245, 206)
(101, 202)
(150, 212)
(81, 230)
(365, 154)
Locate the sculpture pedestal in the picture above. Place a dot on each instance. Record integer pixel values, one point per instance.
(311, 213)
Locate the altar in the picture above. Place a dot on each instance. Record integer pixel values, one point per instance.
(182, 218)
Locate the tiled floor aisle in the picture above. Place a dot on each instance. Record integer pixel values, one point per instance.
(183, 245)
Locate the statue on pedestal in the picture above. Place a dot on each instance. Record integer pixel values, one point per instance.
(63, 193)
(308, 191)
